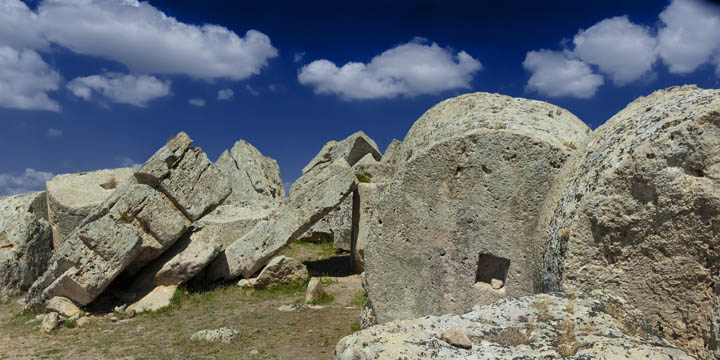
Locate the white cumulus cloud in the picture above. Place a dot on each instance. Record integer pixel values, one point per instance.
(30, 180)
(148, 41)
(225, 94)
(25, 80)
(410, 69)
(19, 26)
(621, 49)
(196, 102)
(554, 74)
(689, 35)
(136, 90)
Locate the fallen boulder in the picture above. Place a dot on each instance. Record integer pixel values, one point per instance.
(637, 214)
(351, 149)
(71, 197)
(63, 306)
(531, 327)
(312, 197)
(160, 297)
(281, 270)
(252, 176)
(462, 208)
(222, 335)
(365, 205)
(25, 242)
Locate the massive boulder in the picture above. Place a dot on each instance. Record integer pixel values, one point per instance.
(196, 249)
(638, 215)
(362, 154)
(351, 149)
(531, 327)
(365, 205)
(312, 197)
(71, 197)
(184, 173)
(456, 226)
(25, 242)
(135, 225)
(253, 177)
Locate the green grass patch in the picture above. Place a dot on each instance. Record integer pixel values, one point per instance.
(355, 326)
(70, 323)
(324, 298)
(358, 300)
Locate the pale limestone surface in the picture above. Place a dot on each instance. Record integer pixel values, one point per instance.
(531, 327)
(461, 210)
(155, 300)
(63, 306)
(186, 176)
(25, 247)
(281, 270)
(365, 202)
(313, 195)
(637, 213)
(351, 149)
(252, 176)
(71, 197)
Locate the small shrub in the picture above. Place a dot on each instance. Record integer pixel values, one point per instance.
(565, 234)
(70, 323)
(125, 217)
(323, 298)
(362, 178)
(570, 145)
(355, 326)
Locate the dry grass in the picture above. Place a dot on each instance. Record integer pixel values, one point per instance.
(542, 307)
(512, 336)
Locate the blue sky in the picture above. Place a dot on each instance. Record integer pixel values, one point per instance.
(92, 84)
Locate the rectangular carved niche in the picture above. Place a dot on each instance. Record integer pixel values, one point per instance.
(492, 271)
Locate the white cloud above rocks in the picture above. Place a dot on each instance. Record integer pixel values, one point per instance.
(554, 74)
(25, 80)
(686, 38)
(225, 94)
(53, 133)
(20, 26)
(127, 162)
(622, 50)
(136, 90)
(148, 41)
(410, 69)
(196, 102)
(30, 180)
(689, 35)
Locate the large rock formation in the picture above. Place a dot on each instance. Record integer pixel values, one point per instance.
(135, 225)
(456, 226)
(360, 152)
(71, 197)
(312, 197)
(532, 327)
(25, 242)
(638, 215)
(253, 177)
(365, 205)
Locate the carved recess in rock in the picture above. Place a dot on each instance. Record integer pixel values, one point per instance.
(637, 214)
(476, 172)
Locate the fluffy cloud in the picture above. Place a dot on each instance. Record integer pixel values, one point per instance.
(689, 35)
(148, 41)
(196, 102)
(118, 88)
(410, 69)
(554, 74)
(225, 94)
(25, 80)
(19, 26)
(127, 162)
(30, 180)
(621, 49)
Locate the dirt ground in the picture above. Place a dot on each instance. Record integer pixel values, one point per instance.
(265, 331)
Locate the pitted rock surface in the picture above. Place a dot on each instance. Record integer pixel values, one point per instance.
(531, 327)
(637, 213)
(461, 210)
(252, 176)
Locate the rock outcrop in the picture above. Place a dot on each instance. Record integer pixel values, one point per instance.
(531, 327)
(25, 242)
(135, 225)
(362, 154)
(253, 177)
(72, 197)
(457, 224)
(637, 213)
(312, 197)
(365, 205)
